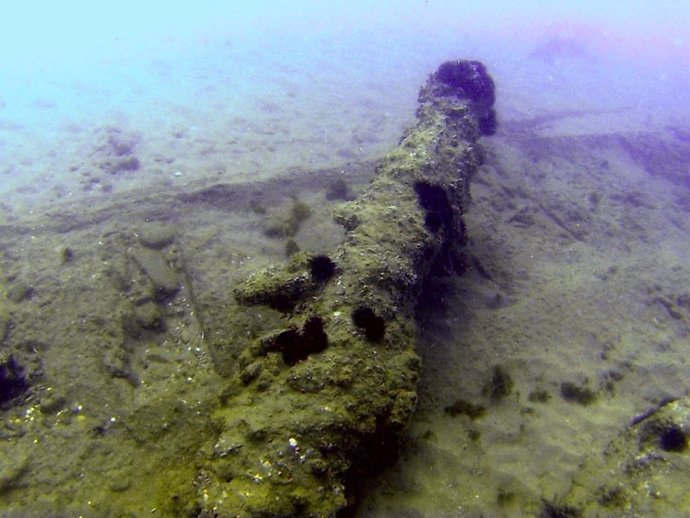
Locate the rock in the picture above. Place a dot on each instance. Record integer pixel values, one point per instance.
(154, 265)
(157, 235)
(149, 315)
(338, 190)
(120, 164)
(120, 144)
(19, 292)
(52, 402)
(66, 255)
(287, 222)
(642, 472)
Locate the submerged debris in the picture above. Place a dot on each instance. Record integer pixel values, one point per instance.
(643, 471)
(286, 223)
(577, 393)
(339, 376)
(464, 407)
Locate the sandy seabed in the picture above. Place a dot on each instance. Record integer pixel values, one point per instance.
(571, 319)
(577, 291)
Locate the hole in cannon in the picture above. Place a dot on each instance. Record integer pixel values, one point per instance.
(370, 323)
(322, 268)
(434, 200)
(296, 346)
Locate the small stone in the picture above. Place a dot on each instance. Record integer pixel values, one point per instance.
(120, 164)
(120, 485)
(158, 355)
(20, 292)
(51, 403)
(157, 235)
(66, 255)
(149, 316)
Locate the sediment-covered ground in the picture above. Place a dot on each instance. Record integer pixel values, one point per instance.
(108, 381)
(565, 340)
(542, 364)
(570, 321)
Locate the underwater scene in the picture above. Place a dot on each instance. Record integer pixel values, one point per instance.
(417, 259)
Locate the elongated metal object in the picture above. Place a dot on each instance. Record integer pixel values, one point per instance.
(338, 381)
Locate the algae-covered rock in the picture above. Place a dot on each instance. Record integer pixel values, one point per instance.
(19, 292)
(338, 378)
(149, 315)
(286, 223)
(642, 472)
(154, 265)
(157, 235)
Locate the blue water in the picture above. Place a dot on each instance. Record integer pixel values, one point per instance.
(299, 84)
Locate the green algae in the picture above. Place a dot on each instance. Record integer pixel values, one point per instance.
(286, 223)
(161, 385)
(341, 371)
(642, 471)
(155, 266)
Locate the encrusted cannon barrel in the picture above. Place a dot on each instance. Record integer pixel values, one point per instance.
(337, 381)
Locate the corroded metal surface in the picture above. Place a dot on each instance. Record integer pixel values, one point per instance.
(313, 396)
